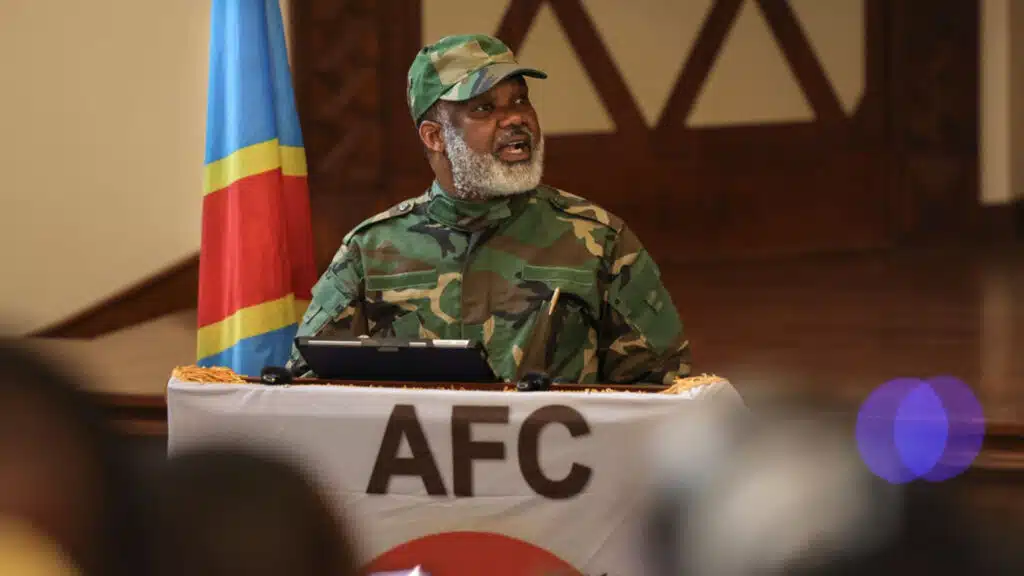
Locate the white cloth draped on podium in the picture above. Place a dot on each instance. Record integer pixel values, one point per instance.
(554, 478)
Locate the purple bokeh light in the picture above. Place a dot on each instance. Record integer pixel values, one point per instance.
(909, 429)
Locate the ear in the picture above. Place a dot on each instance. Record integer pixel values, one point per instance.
(431, 136)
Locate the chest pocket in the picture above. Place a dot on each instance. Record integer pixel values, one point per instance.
(579, 283)
(400, 304)
(573, 322)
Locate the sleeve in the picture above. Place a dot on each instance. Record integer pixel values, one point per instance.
(337, 305)
(641, 336)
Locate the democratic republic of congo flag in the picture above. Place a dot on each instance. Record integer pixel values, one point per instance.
(256, 265)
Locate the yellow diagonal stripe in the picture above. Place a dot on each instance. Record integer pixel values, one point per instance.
(253, 160)
(293, 161)
(249, 322)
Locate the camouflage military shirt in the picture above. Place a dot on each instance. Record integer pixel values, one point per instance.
(438, 267)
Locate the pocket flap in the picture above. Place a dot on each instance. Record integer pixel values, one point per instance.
(402, 280)
(561, 276)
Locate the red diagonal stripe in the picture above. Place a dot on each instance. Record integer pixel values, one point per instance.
(299, 235)
(245, 257)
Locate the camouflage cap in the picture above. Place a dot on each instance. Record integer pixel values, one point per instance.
(458, 68)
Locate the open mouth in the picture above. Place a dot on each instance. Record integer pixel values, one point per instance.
(516, 149)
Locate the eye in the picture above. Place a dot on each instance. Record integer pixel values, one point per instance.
(483, 108)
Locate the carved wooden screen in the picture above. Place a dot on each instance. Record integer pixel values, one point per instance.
(692, 189)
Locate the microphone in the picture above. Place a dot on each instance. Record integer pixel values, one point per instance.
(534, 382)
(275, 375)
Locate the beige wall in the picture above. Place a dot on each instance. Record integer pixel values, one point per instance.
(996, 104)
(1002, 98)
(1017, 100)
(103, 113)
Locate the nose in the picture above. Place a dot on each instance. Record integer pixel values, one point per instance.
(512, 118)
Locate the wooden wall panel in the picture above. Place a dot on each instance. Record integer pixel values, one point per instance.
(339, 57)
(881, 176)
(901, 170)
(932, 107)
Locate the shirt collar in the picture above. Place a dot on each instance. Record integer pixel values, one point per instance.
(466, 215)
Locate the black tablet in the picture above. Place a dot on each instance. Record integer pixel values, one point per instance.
(398, 360)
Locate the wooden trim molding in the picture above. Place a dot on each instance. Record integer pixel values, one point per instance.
(597, 61)
(172, 290)
(134, 415)
(808, 70)
(516, 22)
(698, 64)
(1002, 454)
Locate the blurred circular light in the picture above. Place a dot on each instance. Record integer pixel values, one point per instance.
(910, 429)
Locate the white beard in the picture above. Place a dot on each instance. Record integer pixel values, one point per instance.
(483, 176)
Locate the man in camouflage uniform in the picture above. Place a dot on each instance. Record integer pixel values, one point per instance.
(546, 280)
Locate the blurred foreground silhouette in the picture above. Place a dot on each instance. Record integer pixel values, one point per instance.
(225, 511)
(786, 493)
(64, 477)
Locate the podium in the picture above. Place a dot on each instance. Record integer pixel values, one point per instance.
(434, 471)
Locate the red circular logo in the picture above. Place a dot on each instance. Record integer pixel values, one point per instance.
(470, 554)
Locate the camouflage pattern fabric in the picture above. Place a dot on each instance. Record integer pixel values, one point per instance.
(438, 267)
(458, 68)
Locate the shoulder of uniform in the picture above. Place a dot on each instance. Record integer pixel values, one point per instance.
(400, 209)
(579, 207)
